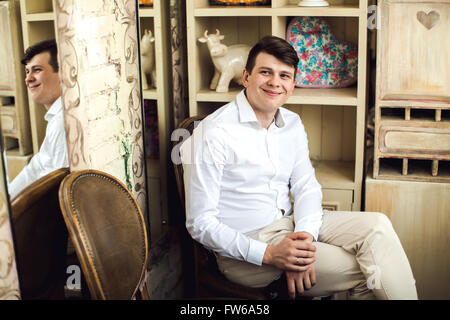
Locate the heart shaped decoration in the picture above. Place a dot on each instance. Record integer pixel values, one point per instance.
(429, 19)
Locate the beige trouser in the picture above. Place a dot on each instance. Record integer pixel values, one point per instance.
(357, 252)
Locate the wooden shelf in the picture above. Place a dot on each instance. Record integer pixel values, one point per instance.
(335, 174)
(288, 10)
(7, 93)
(207, 95)
(229, 11)
(42, 16)
(341, 97)
(146, 12)
(150, 94)
(330, 11)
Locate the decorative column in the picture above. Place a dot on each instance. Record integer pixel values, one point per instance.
(98, 55)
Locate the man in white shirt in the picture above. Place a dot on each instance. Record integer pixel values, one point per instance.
(240, 165)
(42, 80)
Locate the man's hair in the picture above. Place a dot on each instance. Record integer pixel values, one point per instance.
(43, 46)
(275, 46)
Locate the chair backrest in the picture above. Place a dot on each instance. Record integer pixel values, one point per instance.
(108, 232)
(40, 238)
(189, 125)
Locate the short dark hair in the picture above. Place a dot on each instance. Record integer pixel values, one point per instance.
(43, 46)
(275, 46)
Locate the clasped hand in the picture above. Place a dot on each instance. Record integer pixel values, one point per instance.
(295, 254)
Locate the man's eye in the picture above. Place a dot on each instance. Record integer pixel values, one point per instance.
(265, 72)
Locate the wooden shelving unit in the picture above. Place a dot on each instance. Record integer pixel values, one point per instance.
(334, 118)
(412, 100)
(15, 119)
(156, 19)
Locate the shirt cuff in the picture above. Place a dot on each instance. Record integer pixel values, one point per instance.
(310, 229)
(256, 252)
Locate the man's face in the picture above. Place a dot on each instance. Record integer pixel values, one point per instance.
(41, 80)
(270, 84)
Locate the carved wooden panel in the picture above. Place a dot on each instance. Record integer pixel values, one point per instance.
(412, 103)
(414, 56)
(415, 139)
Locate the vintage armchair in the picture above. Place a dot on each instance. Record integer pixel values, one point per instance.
(109, 235)
(209, 281)
(40, 238)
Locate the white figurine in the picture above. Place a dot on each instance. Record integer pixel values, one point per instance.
(229, 62)
(148, 60)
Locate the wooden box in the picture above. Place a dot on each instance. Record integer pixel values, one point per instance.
(412, 110)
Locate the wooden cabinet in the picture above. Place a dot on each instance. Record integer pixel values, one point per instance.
(156, 19)
(412, 119)
(15, 119)
(333, 118)
(420, 214)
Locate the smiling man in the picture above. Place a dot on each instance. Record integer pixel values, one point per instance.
(42, 80)
(241, 165)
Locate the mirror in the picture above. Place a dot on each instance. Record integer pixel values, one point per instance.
(102, 51)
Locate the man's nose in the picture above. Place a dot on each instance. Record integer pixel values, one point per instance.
(29, 77)
(274, 80)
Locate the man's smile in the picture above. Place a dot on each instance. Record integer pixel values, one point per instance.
(272, 93)
(33, 86)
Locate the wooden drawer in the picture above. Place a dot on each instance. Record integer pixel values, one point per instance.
(337, 199)
(414, 139)
(8, 120)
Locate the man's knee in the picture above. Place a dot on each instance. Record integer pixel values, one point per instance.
(377, 221)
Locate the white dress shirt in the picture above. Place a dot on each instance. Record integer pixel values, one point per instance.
(238, 175)
(52, 154)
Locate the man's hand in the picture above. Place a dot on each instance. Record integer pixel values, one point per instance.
(294, 253)
(301, 281)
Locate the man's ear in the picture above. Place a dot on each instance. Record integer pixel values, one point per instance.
(245, 75)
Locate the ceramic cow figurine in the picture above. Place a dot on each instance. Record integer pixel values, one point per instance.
(229, 62)
(148, 68)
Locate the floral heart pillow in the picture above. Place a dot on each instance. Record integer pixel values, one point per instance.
(325, 62)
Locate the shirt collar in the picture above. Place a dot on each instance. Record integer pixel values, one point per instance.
(54, 109)
(246, 113)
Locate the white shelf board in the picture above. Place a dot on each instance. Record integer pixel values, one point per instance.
(339, 97)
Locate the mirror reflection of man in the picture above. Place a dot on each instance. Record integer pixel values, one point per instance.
(42, 81)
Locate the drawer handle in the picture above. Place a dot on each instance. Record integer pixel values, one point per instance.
(428, 20)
